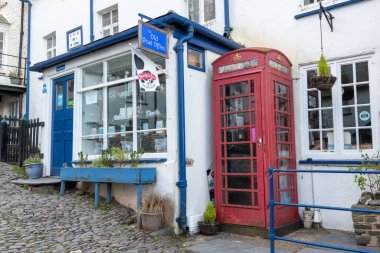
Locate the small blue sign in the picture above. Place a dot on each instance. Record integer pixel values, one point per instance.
(153, 40)
(60, 100)
(44, 89)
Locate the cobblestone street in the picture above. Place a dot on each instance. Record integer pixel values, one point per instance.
(33, 222)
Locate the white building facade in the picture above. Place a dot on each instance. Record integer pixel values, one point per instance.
(331, 127)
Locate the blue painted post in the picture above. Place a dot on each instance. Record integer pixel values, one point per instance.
(92, 37)
(97, 194)
(109, 193)
(271, 209)
(62, 188)
(139, 204)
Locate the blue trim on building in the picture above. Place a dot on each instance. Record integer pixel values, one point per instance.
(67, 38)
(203, 36)
(142, 160)
(203, 56)
(334, 162)
(330, 7)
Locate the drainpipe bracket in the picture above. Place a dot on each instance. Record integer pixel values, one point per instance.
(182, 184)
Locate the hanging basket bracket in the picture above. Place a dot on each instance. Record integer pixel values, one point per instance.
(329, 17)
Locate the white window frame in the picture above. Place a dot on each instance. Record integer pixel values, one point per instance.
(104, 86)
(339, 152)
(315, 5)
(109, 10)
(201, 12)
(4, 30)
(53, 49)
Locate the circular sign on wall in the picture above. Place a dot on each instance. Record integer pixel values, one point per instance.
(364, 116)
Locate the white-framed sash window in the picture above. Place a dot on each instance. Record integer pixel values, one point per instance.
(115, 113)
(202, 11)
(110, 22)
(341, 122)
(51, 45)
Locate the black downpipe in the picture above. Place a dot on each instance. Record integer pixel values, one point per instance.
(21, 40)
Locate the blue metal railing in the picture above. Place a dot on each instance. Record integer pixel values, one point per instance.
(273, 203)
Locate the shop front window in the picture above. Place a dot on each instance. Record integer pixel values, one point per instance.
(118, 114)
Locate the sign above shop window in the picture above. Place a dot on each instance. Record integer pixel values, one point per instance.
(74, 38)
(153, 39)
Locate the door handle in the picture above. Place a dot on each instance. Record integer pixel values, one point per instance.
(260, 142)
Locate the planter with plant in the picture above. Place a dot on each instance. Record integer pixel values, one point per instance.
(307, 218)
(33, 166)
(14, 77)
(324, 80)
(156, 212)
(209, 226)
(366, 225)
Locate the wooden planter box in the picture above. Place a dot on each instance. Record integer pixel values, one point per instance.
(137, 176)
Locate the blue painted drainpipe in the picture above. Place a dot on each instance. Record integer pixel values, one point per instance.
(227, 27)
(92, 36)
(28, 57)
(182, 183)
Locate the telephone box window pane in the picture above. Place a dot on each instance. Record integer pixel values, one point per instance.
(238, 119)
(253, 118)
(240, 198)
(254, 166)
(152, 142)
(349, 136)
(255, 182)
(240, 150)
(365, 139)
(236, 89)
(93, 75)
(313, 119)
(327, 119)
(252, 86)
(362, 93)
(238, 166)
(282, 119)
(282, 104)
(348, 95)
(349, 117)
(282, 135)
(123, 141)
(221, 106)
(362, 72)
(70, 94)
(221, 121)
(310, 74)
(328, 140)
(252, 102)
(312, 99)
(59, 96)
(237, 104)
(220, 91)
(284, 182)
(284, 164)
(283, 150)
(347, 74)
(241, 134)
(281, 90)
(239, 182)
(222, 150)
(326, 98)
(285, 197)
(314, 141)
(364, 116)
(256, 199)
(253, 149)
(222, 135)
(224, 197)
(223, 181)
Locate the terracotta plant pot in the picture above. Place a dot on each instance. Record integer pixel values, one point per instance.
(308, 219)
(208, 229)
(323, 82)
(151, 221)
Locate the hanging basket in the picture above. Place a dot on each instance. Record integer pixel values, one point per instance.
(323, 82)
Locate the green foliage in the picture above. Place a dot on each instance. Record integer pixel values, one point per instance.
(323, 68)
(20, 171)
(369, 182)
(135, 157)
(82, 159)
(32, 159)
(104, 161)
(210, 213)
(118, 156)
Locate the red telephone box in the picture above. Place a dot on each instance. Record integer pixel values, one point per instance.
(253, 129)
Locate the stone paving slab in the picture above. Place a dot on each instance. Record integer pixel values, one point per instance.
(37, 181)
(46, 223)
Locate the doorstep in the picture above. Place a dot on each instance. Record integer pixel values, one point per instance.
(38, 181)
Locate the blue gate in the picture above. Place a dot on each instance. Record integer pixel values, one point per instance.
(273, 203)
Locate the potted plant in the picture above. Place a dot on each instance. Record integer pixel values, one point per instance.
(33, 166)
(365, 224)
(307, 218)
(156, 212)
(209, 226)
(324, 80)
(14, 77)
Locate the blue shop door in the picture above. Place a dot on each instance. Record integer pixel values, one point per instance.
(63, 102)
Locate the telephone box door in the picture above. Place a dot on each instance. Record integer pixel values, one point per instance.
(239, 174)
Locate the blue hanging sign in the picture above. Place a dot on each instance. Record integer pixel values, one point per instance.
(153, 39)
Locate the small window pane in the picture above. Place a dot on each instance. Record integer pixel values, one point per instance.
(93, 75)
(362, 72)
(327, 118)
(70, 94)
(312, 99)
(282, 119)
(195, 58)
(209, 9)
(119, 68)
(194, 10)
(239, 182)
(364, 116)
(281, 90)
(310, 74)
(237, 119)
(326, 98)
(106, 32)
(238, 150)
(282, 135)
(237, 104)
(92, 145)
(236, 89)
(314, 141)
(115, 16)
(59, 96)
(240, 134)
(240, 198)
(328, 140)
(347, 74)
(115, 29)
(92, 115)
(284, 164)
(283, 150)
(348, 95)
(365, 139)
(153, 142)
(362, 94)
(284, 182)
(106, 19)
(282, 104)
(285, 197)
(123, 141)
(349, 117)
(349, 137)
(120, 110)
(238, 166)
(313, 119)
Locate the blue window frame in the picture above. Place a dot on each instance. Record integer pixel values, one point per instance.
(195, 58)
